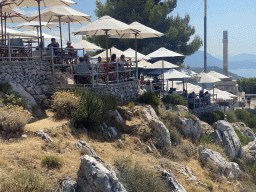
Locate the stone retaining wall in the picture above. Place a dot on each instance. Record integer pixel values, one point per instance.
(34, 76)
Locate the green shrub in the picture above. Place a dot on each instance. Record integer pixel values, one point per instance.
(247, 117)
(64, 103)
(149, 98)
(243, 139)
(13, 118)
(52, 161)
(23, 181)
(134, 177)
(93, 108)
(174, 99)
(5, 87)
(252, 169)
(212, 116)
(206, 139)
(131, 105)
(231, 117)
(14, 98)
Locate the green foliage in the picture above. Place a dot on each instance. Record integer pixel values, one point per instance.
(149, 98)
(246, 117)
(209, 185)
(5, 87)
(157, 15)
(25, 180)
(247, 85)
(52, 161)
(243, 139)
(212, 116)
(14, 98)
(188, 115)
(135, 177)
(131, 104)
(206, 139)
(252, 169)
(174, 99)
(93, 107)
(231, 117)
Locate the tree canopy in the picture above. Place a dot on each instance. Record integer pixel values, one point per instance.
(154, 14)
(247, 85)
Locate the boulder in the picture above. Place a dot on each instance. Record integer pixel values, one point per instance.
(40, 133)
(227, 138)
(148, 113)
(184, 170)
(119, 118)
(83, 145)
(249, 133)
(181, 108)
(69, 185)
(109, 131)
(223, 167)
(249, 152)
(190, 128)
(172, 182)
(161, 135)
(19, 89)
(93, 176)
(206, 128)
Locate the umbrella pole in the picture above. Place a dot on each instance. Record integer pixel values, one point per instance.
(2, 23)
(5, 18)
(60, 34)
(40, 26)
(37, 35)
(137, 74)
(107, 54)
(183, 88)
(163, 73)
(213, 91)
(69, 31)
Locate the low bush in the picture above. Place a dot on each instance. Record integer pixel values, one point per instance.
(134, 177)
(131, 105)
(23, 181)
(231, 117)
(174, 99)
(14, 98)
(243, 139)
(212, 116)
(64, 103)
(149, 98)
(245, 116)
(13, 118)
(52, 161)
(206, 139)
(93, 108)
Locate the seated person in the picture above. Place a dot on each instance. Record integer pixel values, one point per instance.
(207, 98)
(87, 59)
(54, 45)
(156, 86)
(84, 71)
(174, 91)
(70, 50)
(142, 82)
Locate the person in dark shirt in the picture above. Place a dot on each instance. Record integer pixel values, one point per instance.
(54, 45)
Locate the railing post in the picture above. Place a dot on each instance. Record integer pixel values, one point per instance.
(117, 72)
(92, 75)
(53, 70)
(151, 86)
(9, 47)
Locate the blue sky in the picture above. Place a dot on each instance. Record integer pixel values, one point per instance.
(236, 16)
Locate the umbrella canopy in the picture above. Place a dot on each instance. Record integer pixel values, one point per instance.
(160, 65)
(157, 72)
(139, 55)
(221, 94)
(105, 25)
(143, 64)
(218, 75)
(35, 25)
(163, 52)
(43, 3)
(86, 45)
(113, 51)
(46, 36)
(187, 71)
(15, 33)
(174, 74)
(206, 78)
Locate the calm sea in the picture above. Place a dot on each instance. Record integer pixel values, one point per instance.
(245, 72)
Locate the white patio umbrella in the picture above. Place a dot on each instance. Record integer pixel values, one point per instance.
(62, 14)
(113, 50)
(159, 65)
(42, 3)
(105, 25)
(224, 95)
(143, 63)
(187, 71)
(86, 45)
(144, 32)
(15, 33)
(163, 52)
(140, 56)
(218, 75)
(35, 25)
(45, 35)
(206, 78)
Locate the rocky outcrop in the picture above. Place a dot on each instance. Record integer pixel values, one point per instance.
(206, 128)
(249, 133)
(148, 113)
(181, 108)
(172, 182)
(190, 128)
(84, 145)
(40, 133)
(69, 185)
(225, 136)
(111, 132)
(249, 152)
(222, 167)
(93, 176)
(119, 118)
(184, 170)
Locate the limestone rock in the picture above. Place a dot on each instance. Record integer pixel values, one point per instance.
(191, 128)
(83, 144)
(93, 176)
(161, 134)
(230, 140)
(109, 131)
(40, 133)
(173, 183)
(149, 150)
(249, 152)
(182, 108)
(249, 133)
(206, 128)
(119, 117)
(19, 89)
(223, 167)
(69, 185)
(148, 113)
(186, 171)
